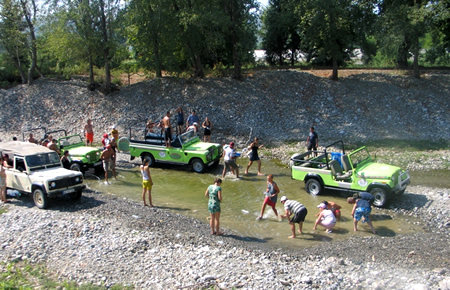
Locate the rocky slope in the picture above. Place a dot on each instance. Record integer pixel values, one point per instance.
(274, 105)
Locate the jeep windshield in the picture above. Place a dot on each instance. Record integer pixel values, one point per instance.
(359, 156)
(43, 160)
(70, 141)
(188, 136)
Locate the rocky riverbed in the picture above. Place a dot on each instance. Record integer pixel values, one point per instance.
(107, 240)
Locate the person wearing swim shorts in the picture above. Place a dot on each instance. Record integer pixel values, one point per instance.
(147, 183)
(325, 219)
(214, 193)
(106, 157)
(229, 157)
(89, 133)
(299, 212)
(254, 146)
(271, 195)
(312, 142)
(361, 210)
(167, 129)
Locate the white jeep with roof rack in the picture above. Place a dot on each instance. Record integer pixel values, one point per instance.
(37, 170)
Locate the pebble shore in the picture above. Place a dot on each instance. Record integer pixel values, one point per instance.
(106, 240)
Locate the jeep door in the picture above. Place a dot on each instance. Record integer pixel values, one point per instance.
(17, 176)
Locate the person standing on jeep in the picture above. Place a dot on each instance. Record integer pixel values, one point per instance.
(312, 142)
(89, 133)
(167, 129)
(193, 118)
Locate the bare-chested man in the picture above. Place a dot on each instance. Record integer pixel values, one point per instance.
(53, 146)
(107, 156)
(31, 139)
(167, 129)
(89, 132)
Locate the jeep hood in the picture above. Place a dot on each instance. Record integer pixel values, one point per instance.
(54, 173)
(200, 146)
(378, 171)
(82, 151)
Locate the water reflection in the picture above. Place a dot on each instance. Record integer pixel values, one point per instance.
(182, 191)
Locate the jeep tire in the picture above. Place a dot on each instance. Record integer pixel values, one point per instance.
(380, 196)
(313, 187)
(40, 198)
(198, 165)
(149, 157)
(75, 167)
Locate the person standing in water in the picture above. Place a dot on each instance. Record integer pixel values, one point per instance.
(254, 146)
(214, 193)
(293, 207)
(207, 127)
(147, 183)
(271, 196)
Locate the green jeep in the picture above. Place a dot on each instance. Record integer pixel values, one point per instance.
(187, 149)
(82, 157)
(353, 172)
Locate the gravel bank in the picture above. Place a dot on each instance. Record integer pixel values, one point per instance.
(107, 240)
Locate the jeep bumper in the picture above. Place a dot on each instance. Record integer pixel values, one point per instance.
(403, 180)
(66, 191)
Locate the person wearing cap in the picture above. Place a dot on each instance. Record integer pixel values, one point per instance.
(105, 140)
(334, 207)
(325, 219)
(361, 209)
(106, 156)
(271, 194)
(299, 212)
(229, 157)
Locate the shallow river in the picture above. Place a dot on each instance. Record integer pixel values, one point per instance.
(183, 192)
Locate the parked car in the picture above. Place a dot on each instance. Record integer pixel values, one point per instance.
(353, 172)
(37, 170)
(187, 150)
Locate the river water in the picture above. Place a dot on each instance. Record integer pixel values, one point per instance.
(182, 191)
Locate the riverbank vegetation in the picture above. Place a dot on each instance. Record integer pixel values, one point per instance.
(111, 41)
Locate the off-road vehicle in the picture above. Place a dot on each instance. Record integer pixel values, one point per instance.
(353, 172)
(37, 170)
(186, 149)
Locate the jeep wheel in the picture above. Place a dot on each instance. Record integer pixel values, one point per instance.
(380, 196)
(198, 165)
(313, 187)
(40, 198)
(75, 167)
(77, 195)
(149, 157)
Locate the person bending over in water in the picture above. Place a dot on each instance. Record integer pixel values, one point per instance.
(214, 193)
(361, 209)
(298, 210)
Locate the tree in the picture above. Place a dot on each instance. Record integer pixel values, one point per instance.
(13, 36)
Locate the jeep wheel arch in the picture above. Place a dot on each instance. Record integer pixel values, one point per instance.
(40, 198)
(313, 186)
(381, 195)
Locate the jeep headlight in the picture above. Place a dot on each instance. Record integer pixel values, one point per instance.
(77, 179)
(52, 184)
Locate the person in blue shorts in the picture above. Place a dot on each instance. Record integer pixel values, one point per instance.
(361, 210)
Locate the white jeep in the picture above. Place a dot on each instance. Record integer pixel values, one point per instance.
(37, 170)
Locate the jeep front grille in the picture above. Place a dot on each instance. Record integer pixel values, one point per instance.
(66, 182)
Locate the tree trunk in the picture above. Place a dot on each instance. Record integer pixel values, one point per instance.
(158, 68)
(91, 85)
(106, 49)
(27, 16)
(334, 75)
(416, 70)
(18, 64)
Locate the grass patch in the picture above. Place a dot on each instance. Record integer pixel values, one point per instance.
(23, 275)
(2, 210)
(404, 145)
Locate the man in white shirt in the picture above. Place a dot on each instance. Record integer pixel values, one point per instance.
(230, 160)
